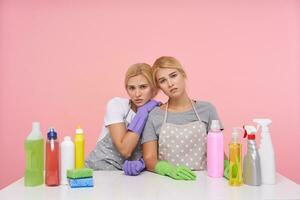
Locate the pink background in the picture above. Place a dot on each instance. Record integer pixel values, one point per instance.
(61, 61)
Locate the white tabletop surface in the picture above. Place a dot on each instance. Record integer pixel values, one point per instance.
(110, 185)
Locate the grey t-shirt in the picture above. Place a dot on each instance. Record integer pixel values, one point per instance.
(205, 110)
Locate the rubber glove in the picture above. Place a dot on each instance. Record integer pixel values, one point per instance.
(226, 169)
(134, 167)
(138, 122)
(178, 173)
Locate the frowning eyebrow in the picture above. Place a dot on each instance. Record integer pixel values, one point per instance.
(144, 84)
(172, 73)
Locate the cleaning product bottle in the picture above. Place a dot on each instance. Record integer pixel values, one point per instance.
(266, 152)
(215, 151)
(79, 148)
(66, 158)
(235, 163)
(34, 152)
(251, 165)
(52, 159)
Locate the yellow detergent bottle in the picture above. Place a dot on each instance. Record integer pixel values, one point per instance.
(79, 148)
(235, 159)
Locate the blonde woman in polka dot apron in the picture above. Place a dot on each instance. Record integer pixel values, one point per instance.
(119, 147)
(174, 137)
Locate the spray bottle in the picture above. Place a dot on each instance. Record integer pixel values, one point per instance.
(251, 165)
(52, 159)
(235, 162)
(79, 148)
(266, 152)
(215, 151)
(34, 151)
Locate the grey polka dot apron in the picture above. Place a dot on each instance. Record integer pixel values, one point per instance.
(106, 156)
(183, 144)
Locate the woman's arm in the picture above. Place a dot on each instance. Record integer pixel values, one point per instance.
(125, 141)
(150, 154)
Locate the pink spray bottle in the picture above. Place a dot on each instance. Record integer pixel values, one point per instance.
(215, 151)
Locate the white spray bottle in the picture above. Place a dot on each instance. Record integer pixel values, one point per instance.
(266, 152)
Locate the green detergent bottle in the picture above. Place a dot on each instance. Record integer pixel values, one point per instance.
(34, 151)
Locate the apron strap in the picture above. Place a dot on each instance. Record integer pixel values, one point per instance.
(195, 110)
(166, 113)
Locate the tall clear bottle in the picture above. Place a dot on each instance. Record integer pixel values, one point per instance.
(79, 148)
(34, 152)
(235, 159)
(52, 159)
(215, 151)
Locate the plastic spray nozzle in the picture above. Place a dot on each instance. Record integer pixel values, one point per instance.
(250, 132)
(264, 123)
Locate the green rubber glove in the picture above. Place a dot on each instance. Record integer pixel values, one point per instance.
(226, 169)
(178, 173)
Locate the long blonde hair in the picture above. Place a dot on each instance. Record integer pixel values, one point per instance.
(140, 69)
(166, 62)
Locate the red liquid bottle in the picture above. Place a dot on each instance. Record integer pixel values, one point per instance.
(52, 159)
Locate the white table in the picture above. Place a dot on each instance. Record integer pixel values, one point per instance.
(115, 185)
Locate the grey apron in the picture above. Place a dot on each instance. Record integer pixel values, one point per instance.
(183, 144)
(106, 156)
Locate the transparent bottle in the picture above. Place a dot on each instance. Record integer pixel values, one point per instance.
(235, 159)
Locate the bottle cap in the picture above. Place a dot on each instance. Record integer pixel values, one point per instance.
(52, 134)
(79, 130)
(67, 138)
(215, 125)
(35, 126)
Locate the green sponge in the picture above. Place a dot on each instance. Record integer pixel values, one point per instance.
(79, 173)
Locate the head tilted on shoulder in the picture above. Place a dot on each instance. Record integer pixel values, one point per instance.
(139, 83)
(169, 76)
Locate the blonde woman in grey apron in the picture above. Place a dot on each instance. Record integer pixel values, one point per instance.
(174, 137)
(119, 145)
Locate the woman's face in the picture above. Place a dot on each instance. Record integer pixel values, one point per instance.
(171, 82)
(139, 90)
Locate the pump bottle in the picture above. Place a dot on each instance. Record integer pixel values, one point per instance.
(235, 162)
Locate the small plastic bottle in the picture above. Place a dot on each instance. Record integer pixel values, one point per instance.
(215, 151)
(235, 160)
(66, 158)
(79, 148)
(52, 159)
(34, 151)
